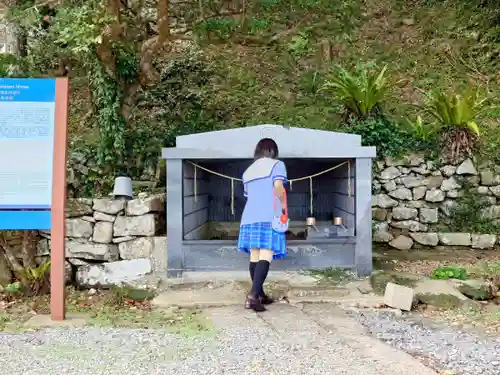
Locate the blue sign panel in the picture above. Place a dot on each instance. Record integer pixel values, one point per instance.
(27, 110)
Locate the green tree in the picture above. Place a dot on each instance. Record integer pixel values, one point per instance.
(115, 46)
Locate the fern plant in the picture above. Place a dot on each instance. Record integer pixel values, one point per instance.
(360, 93)
(36, 278)
(457, 114)
(421, 130)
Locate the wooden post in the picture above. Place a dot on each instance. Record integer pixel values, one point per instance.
(58, 209)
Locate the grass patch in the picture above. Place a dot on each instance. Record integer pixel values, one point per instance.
(118, 307)
(426, 46)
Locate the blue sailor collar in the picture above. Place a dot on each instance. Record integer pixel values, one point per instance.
(261, 168)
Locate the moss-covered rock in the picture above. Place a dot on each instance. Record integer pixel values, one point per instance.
(440, 293)
(443, 300)
(477, 290)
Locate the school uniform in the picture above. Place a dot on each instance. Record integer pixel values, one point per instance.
(256, 230)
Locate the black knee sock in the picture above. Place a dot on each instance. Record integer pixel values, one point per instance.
(260, 275)
(252, 269)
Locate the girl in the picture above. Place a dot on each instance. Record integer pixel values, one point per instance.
(263, 184)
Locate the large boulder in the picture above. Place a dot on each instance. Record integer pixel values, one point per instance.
(478, 290)
(434, 195)
(466, 168)
(79, 228)
(401, 243)
(78, 207)
(455, 239)
(412, 181)
(483, 241)
(390, 173)
(109, 206)
(439, 293)
(384, 201)
(381, 233)
(91, 251)
(426, 239)
(401, 193)
(404, 213)
(495, 190)
(103, 232)
(141, 247)
(144, 225)
(492, 212)
(123, 272)
(489, 178)
(144, 206)
(429, 215)
(411, 225)
(450, 184)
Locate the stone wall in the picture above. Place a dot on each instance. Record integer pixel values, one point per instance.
(114, 241)
(412, 199)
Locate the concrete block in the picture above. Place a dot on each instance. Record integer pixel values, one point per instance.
(398, 296)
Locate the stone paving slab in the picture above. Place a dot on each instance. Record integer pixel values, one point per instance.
(234, 294)
(292, 278)
(43, 321)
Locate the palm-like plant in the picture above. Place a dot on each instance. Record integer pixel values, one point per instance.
(457, 115)
(360, 93)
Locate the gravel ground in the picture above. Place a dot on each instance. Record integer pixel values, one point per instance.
(284, 340)
(459, 352)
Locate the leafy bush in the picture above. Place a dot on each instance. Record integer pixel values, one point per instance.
(449, 272)
(299, 44)
(382, 133)
(219, 28)
(14, 289)
(456, 115)
(361, 92)
(36, 278)
(8, 64)
(487, 271)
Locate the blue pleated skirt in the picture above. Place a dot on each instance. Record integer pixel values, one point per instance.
(262, 236)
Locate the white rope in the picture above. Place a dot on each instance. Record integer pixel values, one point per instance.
(195, 183)
(349, 178)
(290, 180)
(311, 195)
(310, 177)
(232, 197)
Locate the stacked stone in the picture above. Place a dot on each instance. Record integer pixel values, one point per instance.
(112, 242)
(412, 197)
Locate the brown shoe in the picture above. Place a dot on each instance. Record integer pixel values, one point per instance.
(254, 304)
(266, 300)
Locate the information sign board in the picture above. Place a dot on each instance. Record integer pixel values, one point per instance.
(33, 150)
(27, 118)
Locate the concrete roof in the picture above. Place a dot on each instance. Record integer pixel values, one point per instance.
(239, 143)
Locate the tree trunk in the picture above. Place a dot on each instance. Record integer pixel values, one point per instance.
(10, 254)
